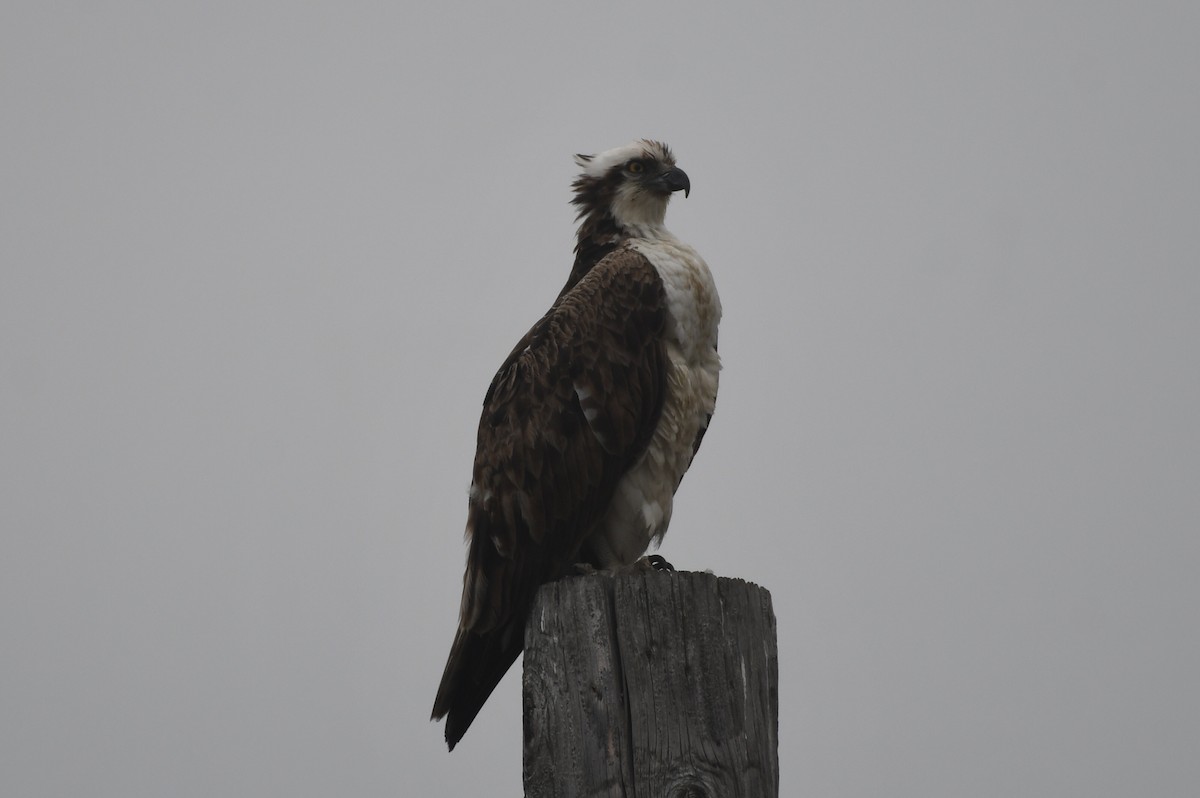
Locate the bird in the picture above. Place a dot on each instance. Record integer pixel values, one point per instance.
(590, 424)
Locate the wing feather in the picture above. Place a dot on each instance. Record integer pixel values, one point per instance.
(570, 411)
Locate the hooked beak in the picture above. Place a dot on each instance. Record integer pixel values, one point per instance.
(673, 180)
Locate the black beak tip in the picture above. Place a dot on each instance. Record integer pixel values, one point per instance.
(683, 182)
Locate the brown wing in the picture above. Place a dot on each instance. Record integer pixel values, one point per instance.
(568, 413)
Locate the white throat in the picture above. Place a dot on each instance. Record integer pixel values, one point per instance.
(640, 213)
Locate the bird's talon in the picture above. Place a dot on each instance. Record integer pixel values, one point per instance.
(656, 562)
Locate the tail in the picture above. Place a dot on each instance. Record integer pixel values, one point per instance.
(476, 664)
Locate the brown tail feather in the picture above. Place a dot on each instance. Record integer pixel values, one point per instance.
(476, 665)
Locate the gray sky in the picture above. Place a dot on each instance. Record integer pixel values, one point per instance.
(258, 264)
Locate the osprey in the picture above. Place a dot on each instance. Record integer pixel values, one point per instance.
(590, 424)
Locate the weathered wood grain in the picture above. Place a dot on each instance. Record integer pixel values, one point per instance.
(651, 684)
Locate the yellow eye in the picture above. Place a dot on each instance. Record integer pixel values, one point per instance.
(635, 167)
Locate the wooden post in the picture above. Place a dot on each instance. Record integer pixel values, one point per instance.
(651, 685)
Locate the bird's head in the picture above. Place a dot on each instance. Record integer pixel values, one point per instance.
(630, 184)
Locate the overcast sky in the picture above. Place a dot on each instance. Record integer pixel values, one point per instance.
(259, 262)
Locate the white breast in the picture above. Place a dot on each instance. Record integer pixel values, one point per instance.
(693, 307)
(641, 507)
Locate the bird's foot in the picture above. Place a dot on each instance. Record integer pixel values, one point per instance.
(654, 562)
(651, 563)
